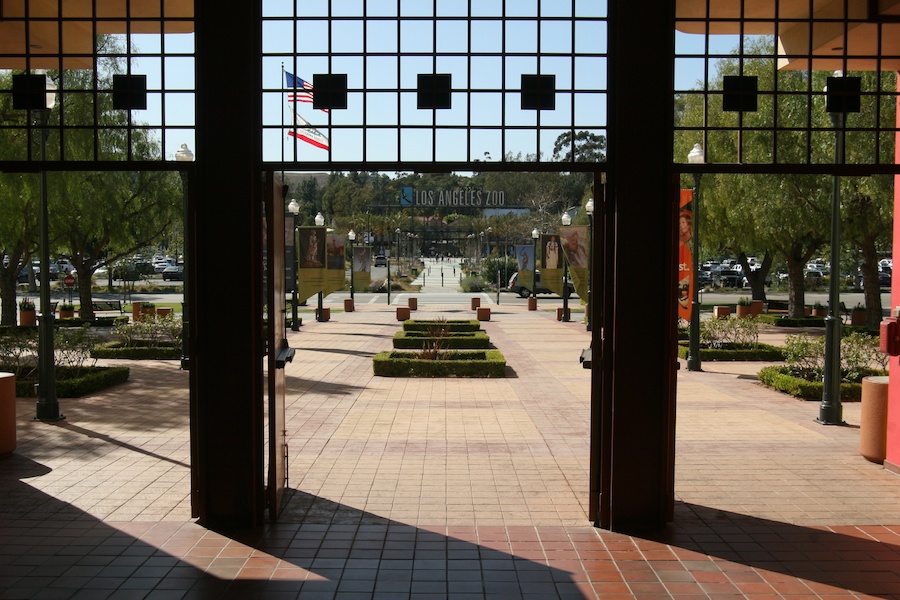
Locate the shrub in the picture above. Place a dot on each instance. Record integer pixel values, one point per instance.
(729, 333)
(472, 284)
(485, 363)
(26, 303)
(860, 356)
(152, 332)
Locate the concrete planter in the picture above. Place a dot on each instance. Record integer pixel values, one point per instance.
(27, 317)
(721, 312)
(858, 318)
(742, 311)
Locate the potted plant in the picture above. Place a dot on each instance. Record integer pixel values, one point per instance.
(858, 316)
(819, 310)
(27, 312)
(148, 309)
(743, 307)
(66, 310)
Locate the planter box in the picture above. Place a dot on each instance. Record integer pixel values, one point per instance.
(402, 313)
(162, 312)
(484, 314)
(742, 311)
(67, 314)
(27, 318)
(721, 312)
(473, 363)
(858, 318)
(756, 307)
(135, 311)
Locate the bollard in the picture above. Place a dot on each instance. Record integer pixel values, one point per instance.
(348, 305)
(484, 314)
(476, 302)
(402, 313)
(532, 303)
(873, 418)
(413, 303)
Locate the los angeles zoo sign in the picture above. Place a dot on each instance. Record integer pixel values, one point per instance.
(475, 198)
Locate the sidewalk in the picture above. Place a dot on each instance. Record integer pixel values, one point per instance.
(447, 488)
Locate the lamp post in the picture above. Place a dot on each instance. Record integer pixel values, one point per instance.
(351, 235)
(320, 222)
(566, 221)
(47, 403)
(589, 209)
(184, 154)
(695, 157)
(831, 409)
(294, 209)
(535, 235)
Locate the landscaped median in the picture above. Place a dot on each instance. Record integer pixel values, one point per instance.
(724, 352)
(440, 348)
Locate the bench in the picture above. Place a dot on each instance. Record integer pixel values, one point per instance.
(777, 307)
(107, 306)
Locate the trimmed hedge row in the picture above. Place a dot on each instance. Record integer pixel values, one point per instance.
(74, 382)
(760, 352)
(416, 340)
(453, 325)
(116, 350)
(785, 321)
(780, 378)
(477, 363)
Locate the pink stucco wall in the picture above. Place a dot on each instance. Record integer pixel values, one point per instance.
(892, 461)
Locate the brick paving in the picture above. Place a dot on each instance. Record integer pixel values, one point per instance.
(447, 488)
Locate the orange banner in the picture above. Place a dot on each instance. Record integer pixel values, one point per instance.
(686, 275)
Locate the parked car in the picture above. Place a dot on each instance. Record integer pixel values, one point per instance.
(727, 278)
(173, 273)
(380, 260)
(515, 287)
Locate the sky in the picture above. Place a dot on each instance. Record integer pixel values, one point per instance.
(302, 47)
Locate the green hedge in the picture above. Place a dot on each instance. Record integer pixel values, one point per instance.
(780, 378)
(478, 363)
(116, 350)
(454, 325)
(785, 321)
(74, 383)
(416, 340)
(760, 352)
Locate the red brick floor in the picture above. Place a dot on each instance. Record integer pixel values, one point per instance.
(447, 488)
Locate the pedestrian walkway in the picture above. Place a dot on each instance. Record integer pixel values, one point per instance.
(447, 488)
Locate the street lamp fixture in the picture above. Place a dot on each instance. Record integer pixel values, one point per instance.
(294, 210)
(695, 157)
(589, 209)
(320, 316)
(47, 403)
(566, 221)
(535, 236)
(184, 154)
(831, 409)
(351, 235)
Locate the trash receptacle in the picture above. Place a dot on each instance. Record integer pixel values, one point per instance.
(7, 413)
(873, 418)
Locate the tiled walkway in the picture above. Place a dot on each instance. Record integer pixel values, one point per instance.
(447, 488)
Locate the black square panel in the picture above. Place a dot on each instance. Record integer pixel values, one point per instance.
(740, 93)
(842, 95)
(330, 91)
(433, 91)
(538, 92)
(29, 91)
(130, 92)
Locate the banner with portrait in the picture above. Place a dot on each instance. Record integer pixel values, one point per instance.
(311, 270)
(336, 262)
(525, 258)
(686, 275)
(361, 269)
(551, 262)
(575, 248)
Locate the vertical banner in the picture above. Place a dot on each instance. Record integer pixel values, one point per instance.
(575, 248)
(336, 267)
(551, 263)
(686, 275)
(290, 253)
(361, 271)
(525, 258)
(311, 274)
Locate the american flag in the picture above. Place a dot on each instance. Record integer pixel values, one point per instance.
(298, 84)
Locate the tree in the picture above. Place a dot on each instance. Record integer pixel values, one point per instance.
(580, 146)
(781, 214)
